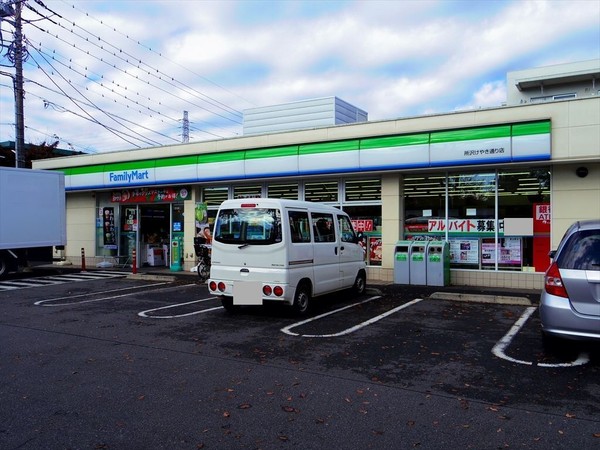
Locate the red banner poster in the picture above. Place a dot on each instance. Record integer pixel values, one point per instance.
(145, 195)
(542, 215)
(541, 218)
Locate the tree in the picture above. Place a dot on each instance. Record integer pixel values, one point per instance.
(33, 152)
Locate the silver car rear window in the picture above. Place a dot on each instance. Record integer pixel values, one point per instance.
(581, 251)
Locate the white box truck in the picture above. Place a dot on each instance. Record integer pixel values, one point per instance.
(32, 217)
(288, 251)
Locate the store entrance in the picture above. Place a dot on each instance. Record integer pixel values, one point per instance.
(154, 234)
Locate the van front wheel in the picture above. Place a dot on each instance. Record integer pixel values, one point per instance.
(301, 299)
(360, 284)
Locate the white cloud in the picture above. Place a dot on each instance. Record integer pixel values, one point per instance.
(392, 59)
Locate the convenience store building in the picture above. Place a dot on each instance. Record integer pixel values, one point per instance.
(500, 184)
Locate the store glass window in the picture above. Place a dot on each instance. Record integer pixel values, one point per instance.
(247, 191)
(496, 220)
(424, 200)
(214, 196)
(524, 209)
(283, 190)
(321, 191)
(471, 219)
(362, 190)
(366, 220)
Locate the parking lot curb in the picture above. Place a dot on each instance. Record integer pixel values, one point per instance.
(478, 298)
(373, 291)
(148, 277)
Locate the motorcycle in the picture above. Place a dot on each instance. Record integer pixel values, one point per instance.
(203, 253)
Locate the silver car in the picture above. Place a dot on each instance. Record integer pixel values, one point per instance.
(570, 302)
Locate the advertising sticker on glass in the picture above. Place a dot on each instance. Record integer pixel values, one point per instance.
(108, 226)
(464, 251)
(509, 251)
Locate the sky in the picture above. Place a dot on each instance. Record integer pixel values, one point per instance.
(105, 76)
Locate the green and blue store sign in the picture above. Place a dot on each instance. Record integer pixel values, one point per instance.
(473, 146)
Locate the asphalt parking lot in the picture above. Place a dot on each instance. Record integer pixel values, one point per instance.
(155, 362)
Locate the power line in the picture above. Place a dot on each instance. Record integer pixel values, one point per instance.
(94, 78)
(162, 56)
(124, 63)
(99, 42)
(93, 119)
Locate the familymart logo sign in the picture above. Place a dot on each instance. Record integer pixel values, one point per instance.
(129, 176)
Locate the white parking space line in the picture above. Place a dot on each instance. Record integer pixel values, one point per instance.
(78, 276)
(201, 311)
(11, 285)
(27, 283)
(9, 288)
(502, 345)
(352, 329)
(49, 302)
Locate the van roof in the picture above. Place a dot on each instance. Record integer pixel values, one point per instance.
(280, 202)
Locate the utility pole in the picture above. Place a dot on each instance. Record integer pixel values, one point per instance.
(18, 87)
(16, 54)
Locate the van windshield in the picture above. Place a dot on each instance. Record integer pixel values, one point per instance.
(248, 226)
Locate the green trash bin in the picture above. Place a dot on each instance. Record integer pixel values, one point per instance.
(401, 262)
(176, 252)
(418, 263)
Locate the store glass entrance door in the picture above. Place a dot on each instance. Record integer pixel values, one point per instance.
(128, 234)
(154, 236)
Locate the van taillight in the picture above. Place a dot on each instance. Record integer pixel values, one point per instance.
(268, 290)
(553, 282)
(248, 205)
(221, 286)
(212, 285)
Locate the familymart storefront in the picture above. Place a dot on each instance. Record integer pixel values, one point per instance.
(496, 219)
(486, 189)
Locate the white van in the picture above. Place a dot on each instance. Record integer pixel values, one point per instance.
(289, 251)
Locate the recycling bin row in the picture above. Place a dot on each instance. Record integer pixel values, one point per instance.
(422, 263)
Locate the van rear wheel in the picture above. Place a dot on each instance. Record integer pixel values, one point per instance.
(227, 303)
(301, 299)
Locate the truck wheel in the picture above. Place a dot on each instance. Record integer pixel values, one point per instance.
(360, 284)
(301, 299)
(3, 267)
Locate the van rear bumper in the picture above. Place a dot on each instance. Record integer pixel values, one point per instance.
(251, 292)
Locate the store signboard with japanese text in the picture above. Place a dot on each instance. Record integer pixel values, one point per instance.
(361, 225)
(151, 195)
(497, 144)
(471, 227)
(542, 215)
